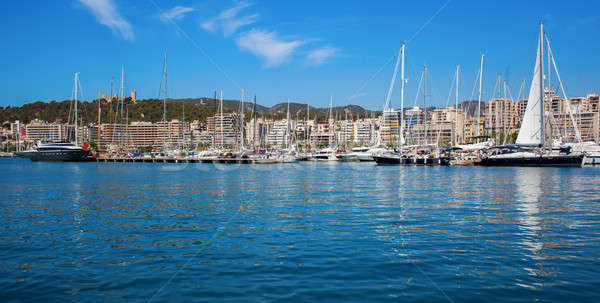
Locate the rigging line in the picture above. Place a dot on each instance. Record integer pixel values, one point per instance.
(439, 11)
(418, 90)
(413, 37)
(195, 44)
(577, 133)
(452, 85)
(507, 130)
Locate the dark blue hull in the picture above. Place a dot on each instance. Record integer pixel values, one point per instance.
(55, 156)
(566, 160)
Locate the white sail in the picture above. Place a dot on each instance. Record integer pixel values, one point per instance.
(531, 132)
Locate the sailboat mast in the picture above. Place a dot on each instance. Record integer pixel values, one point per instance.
(479, 98)
(331, 122)
(221, 117)
(76, 132)
(425, 103)
(401, 137)
(242, 124)
(504, 113)
(165, 103)
(541, 78)
(287, 126)
(121, 99)
(456, 108)
(182, 124)
(254, 124)
(98, 126)
(306, 125)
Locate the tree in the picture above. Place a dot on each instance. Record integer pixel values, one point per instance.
(146, 149)
(93, 146)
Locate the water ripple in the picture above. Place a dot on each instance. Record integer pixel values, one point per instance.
(302, 232)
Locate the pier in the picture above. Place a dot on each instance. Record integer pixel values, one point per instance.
(188, 160)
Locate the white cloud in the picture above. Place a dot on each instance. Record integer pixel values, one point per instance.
(320, 55)
(176, 13)
(266, 45)
(229, 21)
(107, 14)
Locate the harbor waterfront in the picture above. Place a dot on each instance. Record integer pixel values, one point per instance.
(305, 231)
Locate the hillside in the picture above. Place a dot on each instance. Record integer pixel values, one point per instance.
(195, 109)
(152, 110)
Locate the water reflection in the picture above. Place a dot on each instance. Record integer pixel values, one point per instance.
(305, 232)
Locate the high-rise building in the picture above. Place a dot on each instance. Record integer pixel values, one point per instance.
(279, 135)
(390, 128)
(323, 134)
(226, 129)
(40, 130)
(364, 132)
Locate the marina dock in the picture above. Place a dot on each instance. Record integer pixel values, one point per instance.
(188, 160)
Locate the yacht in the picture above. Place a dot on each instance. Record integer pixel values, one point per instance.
(590, 149)
(366, 154)
(531, 145)
(55, 151)
(326, 154)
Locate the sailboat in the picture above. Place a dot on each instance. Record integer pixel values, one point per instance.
(59, 151)
(328, 153)
(530, 148)
(395, 158)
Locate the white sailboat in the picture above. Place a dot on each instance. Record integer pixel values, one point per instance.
(531, 140)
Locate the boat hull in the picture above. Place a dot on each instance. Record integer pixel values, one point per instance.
(55, 156)
(537, 161)
(392, 160)
(347, 158)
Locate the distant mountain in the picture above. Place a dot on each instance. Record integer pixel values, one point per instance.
(228, 105)
(301, 110)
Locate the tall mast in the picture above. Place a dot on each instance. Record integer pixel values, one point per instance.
(221, 119)
(121, 101)
(98, 128)
(242, 125)
(542, 108)
(254, 124)
(330, 120)
(76, 132)
(165, 126)
(504, 112)
(497, 128)
(479, 98)
(425, 103)
(306, 126)
(110, 108)
(182, 123)
(287, 127)
(456, 108)
(401, 137)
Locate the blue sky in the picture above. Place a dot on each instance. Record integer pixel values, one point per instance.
(302, 50)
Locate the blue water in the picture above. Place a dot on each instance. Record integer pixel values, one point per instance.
(308, 232)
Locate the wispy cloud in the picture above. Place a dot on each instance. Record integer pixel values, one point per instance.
(107, 14)
(176, 13)
(266, 45)
(229, 21)
(357, 95)
(321, 55)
